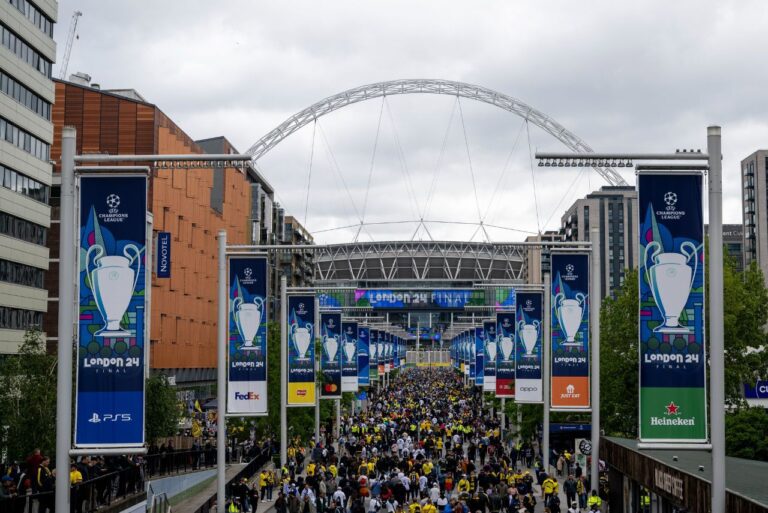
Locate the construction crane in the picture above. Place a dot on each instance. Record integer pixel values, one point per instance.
(68, 47)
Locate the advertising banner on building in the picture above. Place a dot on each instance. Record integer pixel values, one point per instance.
(363, 356)
(163, 255)
(387, 352)
(489, 352)
(301, 350)
(380, 353)
(673, 398)
(479, 356)
(570, 331)
(247, 336)
(330, 360)
(109, 405)
(505, 354)
(374, 358)
(528, 349)
(349, 356)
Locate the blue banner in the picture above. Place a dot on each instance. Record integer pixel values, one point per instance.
(759, 391)
(528, 349)
(489, 354)
(505, 354)
(570, 331)
(247, 383)
(330, 360)
(479, 356)
(363, 356)
(301, 350)
(112, 311)
(673, 397)
(349, 356)
(163, 255)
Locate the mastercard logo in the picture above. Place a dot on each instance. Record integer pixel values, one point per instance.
(331, 387)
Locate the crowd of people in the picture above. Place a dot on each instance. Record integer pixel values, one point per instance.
(425, 444)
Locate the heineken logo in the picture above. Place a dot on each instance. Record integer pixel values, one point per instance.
(672, 417)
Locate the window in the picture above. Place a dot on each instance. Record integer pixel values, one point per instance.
(25, 52)
(24, 96)
(24, 140)
(29, 187)
(21, 274)
(18, 319)
(22, 229)
(34, 15)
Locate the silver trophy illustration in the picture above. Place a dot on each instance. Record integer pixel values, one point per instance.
(331, 346)
(569, 313)
(529, 334)
(490, 348)
(506, 348)
(301, 339)
(373, 350)
(349, 349)
(248, 318)
(112, 283)
(671, 278)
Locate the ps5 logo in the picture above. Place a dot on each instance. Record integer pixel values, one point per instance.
(109, 417)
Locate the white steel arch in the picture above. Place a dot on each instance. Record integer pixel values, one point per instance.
(428, 86)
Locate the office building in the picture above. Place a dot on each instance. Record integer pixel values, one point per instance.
(27, 54)
(191, 204)
(613, 210)
(755, 209)
(536, 260)
(733, 239)
(298, 265)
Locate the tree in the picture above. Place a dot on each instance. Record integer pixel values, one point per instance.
(619, 373)
(162, 409)
(28, 399)
(746, 434)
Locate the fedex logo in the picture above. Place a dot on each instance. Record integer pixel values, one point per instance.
(250, 396)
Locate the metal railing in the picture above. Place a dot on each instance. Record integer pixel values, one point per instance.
(248, 471)
(179, 462)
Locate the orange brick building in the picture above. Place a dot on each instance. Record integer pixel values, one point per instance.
(190, 204)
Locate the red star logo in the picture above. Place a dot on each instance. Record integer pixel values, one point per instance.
(672, 408)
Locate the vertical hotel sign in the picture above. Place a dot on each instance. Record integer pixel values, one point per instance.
(330, 360)
(672, 357)
(247, 336)
(528, 354)
(505, 354)
(112, 311)
(301, 350)
(570, 331)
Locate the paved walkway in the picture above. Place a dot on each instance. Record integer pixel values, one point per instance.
(191, 504)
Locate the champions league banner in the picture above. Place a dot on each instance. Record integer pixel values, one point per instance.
(247, 336)
(330, 360)
(673, 397)
(363, 356)
(479, 356)
(301, 350)
(505, 354)
(387, 352)
(112, 311)
(374, 355)
(471, 354)
(570, 331)
(528, 363)
(349, 357)
(489, 352)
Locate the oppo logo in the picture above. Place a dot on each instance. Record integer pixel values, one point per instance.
(529, 389)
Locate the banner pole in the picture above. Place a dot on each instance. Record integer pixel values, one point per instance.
(317, 373)
(546, 383)
(221, 375)
(594, 312)
(283, 370)
(66, 318)
(716, 337)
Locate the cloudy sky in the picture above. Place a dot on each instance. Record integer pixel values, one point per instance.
(640, 76)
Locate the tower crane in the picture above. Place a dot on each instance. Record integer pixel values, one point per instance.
(68, 47)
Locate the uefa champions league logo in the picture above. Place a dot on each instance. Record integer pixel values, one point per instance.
(569, 270)
(113, 201)
(248, 272)
(670, 198)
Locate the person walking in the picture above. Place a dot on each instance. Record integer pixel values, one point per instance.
(569, 487)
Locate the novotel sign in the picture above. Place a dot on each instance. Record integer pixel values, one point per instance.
(163, 255)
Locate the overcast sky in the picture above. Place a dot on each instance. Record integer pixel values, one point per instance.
(639, 76)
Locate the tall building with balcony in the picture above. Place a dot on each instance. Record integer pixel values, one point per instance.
(536, 259)
(27, 53)
(613, 210)
(298, 265)
(754, 186)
